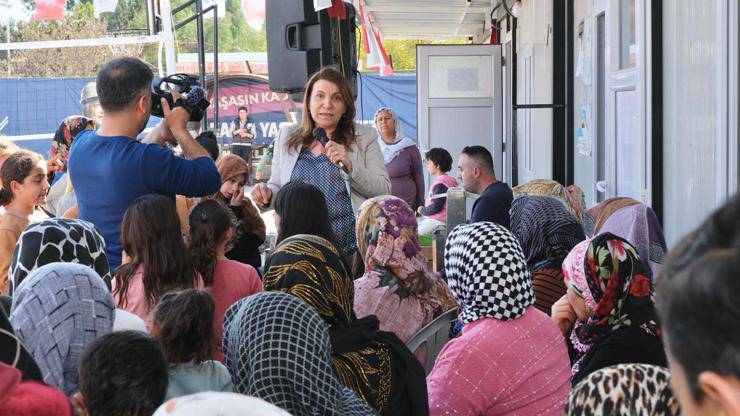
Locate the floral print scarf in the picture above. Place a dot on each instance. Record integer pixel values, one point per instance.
(616, 287)
(70, 127)
(388, 241)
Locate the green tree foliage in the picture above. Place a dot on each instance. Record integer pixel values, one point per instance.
(59, 62)
(234, 34)
(402, 52)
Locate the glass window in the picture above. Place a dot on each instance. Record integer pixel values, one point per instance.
(627, 35)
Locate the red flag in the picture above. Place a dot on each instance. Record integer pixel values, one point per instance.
(48, 10)
(337, 9)
(377, 57)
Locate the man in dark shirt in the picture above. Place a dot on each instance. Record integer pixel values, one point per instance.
(477, 175)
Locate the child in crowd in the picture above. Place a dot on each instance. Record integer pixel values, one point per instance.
(155, 259)
(183, 325)
(24, 187)
(212, 227)
(208, 141)
(250, 233)
(121, 373)
(439, 162)
(184, 204)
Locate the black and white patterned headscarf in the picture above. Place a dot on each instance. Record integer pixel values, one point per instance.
(58, 240)
(57, 312)
(277, 348)
(546, 230)
(487, 272)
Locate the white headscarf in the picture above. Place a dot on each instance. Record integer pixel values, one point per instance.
(218, 403)
(390, 151)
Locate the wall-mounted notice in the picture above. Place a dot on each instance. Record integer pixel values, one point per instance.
(460, 76)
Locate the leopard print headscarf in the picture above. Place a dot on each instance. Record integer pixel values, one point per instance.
(625, 389)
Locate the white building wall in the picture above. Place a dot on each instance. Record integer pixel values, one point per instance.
(696, 114)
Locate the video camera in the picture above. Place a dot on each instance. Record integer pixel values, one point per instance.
(192, 95)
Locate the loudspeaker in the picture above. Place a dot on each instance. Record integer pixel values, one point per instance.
(301, 41)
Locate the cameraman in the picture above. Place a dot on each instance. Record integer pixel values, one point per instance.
(110, 168)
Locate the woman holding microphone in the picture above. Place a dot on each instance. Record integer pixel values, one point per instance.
(299, 156)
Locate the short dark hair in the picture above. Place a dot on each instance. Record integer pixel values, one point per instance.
(121, 81)
(481, 156)
(184, 321)
(696, 298)
(302, 210)
(123, 373)
(242, 108)
(208, 141)
(441, 158)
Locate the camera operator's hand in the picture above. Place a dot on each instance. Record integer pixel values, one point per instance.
(177, 118)
(175, 121)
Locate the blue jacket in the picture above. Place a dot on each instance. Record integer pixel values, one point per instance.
(108, 173)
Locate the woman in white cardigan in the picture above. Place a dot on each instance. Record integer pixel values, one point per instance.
(298, 156)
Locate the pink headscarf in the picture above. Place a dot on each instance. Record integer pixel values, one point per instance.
(574, 273)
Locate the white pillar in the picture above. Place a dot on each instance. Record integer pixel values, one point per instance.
(165, 10)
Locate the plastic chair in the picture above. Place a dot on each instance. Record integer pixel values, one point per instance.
(434, 335)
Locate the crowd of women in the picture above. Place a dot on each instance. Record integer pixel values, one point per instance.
(555, 314)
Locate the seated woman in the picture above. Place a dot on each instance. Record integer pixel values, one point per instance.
(300, 208)
(607, 315)
(59, 240)
(509, 359)
(625, 389)
(61, 195)
(56, 328)
(636, 223)
(375, 364)
(571, 196)
(396, 286)
(439, 162)
(13, 353)
(547, 232)
(250, 233)
(297, 376)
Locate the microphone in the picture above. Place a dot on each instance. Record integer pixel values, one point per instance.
(320, 135)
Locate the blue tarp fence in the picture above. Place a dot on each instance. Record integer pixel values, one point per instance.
(31, 109)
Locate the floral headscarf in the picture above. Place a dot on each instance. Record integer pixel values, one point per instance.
(617, 284)
(388, 241)
(70, 127)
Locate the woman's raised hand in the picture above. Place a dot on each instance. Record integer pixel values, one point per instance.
(261, 194)
(563, 314)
